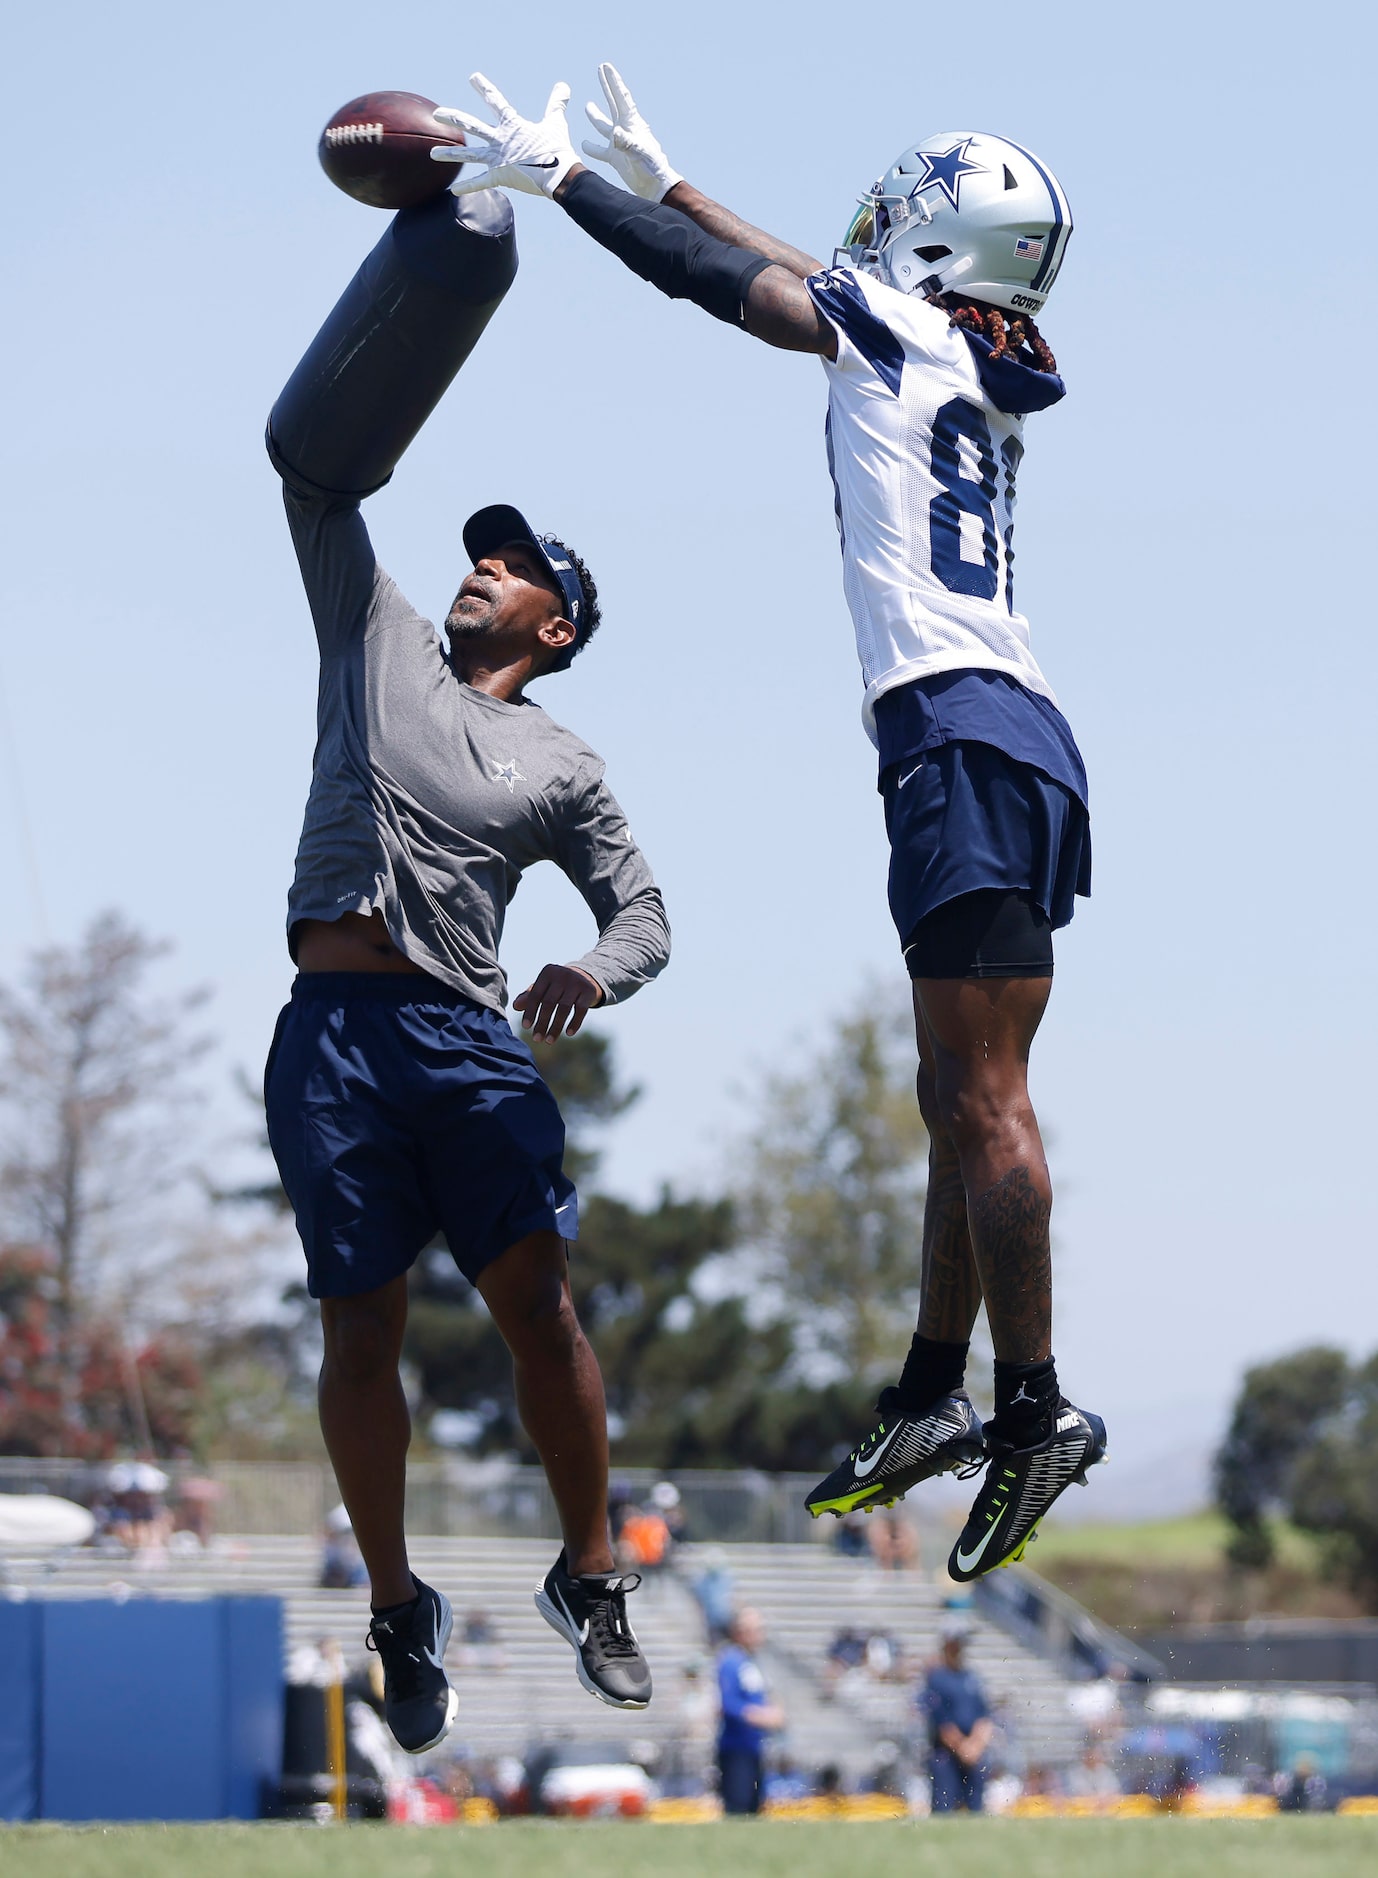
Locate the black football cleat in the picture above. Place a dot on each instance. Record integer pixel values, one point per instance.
(1019, 1487)
(901, 1452)
(591, 1615)
(418, 1702)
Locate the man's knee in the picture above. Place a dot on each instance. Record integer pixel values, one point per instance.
(362, 1335)
(975, 1101)
(527, 1292)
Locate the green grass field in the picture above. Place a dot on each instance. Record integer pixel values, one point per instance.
(962, 1848)
(1196, 1540)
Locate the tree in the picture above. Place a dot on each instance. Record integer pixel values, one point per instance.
(145, 1399)
(834, 1193)
(1303, 1442)
(94, 1093)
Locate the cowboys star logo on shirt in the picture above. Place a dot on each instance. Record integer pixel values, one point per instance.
(946, 168)
(507, 772)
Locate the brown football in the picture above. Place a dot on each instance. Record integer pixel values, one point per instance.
(378, 149)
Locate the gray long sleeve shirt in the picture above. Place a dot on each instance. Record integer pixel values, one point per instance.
(429, 798)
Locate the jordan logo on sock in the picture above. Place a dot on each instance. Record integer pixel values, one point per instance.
(1023, 1396)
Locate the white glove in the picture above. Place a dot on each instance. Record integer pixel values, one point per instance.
(631, 148)
(520, 154)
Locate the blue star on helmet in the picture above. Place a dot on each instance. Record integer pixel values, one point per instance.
(946, 168)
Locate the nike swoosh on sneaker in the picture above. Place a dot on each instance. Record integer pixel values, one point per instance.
(434, 1656)
(965, 1560)
(578, 1630)
(872, 1460)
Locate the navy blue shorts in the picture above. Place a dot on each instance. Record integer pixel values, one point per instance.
(964, 816)
(397, 1109)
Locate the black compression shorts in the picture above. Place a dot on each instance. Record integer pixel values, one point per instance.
(992, 933)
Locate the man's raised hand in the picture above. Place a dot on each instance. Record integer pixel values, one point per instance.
(559, 996)
(520, 153)
(631, 147)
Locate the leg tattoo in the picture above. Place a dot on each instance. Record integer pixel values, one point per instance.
(951, 1287)
(1009, 1229)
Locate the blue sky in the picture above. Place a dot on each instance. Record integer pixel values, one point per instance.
(1192, 554)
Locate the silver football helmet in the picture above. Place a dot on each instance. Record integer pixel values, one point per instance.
(964, 212)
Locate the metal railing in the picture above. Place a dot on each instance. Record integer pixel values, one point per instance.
(1057, 1628)
(449, 1497)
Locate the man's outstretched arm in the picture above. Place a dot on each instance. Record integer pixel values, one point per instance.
(736, 272)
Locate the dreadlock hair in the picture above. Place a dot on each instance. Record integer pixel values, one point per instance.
(588, 587)
(1010, 335)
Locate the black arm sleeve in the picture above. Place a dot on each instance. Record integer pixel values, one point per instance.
(664, 247)
(397, 335)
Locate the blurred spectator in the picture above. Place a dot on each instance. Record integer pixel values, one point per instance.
(696, 1721)
(849, 1536)
(129, 1509)
(479, 1644)
(846, 1652)
(894, 1543)
(830, 1783)
(193, 1516)
(784, 1780)
(1040, 1783)
(1179, 1783)
(342, 1569)
(1093, 1778)
(884, 1657)
(1305, 1789)
(887, 1771)
(959, 1727)
(643, 1544)
(666, 1500)
(715, 1592)
(748, 1715)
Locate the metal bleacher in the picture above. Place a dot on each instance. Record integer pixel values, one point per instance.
(805, 1592)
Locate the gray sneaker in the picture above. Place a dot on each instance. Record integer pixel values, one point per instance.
(591, 1615)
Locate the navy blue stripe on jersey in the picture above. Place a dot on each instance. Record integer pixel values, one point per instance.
(832, 475)
(1048, 271)
(841, 300)
(1011, 387)
(974, 706)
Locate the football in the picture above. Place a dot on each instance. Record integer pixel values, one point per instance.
(378, 149)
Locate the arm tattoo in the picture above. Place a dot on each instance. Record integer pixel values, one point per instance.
(951, 1289)
(779, 310)
(714, 219)
(1009, 1233)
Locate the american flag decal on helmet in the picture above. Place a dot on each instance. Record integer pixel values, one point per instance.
(1029, 248)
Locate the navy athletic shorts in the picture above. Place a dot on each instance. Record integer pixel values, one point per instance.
(963, 817)
(398, 1108)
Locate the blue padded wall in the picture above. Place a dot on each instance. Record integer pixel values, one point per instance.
(20, 1633)
(159, 1708)
(251, 1638)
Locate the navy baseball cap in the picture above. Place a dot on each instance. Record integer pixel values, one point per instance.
(488, 529)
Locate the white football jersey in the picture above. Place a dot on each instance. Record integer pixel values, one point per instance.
(924, 468)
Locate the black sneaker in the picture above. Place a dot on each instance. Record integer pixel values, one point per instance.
(1019, 1487)
(901, 1452)
(418, 1701)
(591, 1614)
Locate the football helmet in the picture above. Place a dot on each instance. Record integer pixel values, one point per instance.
(964, 212)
